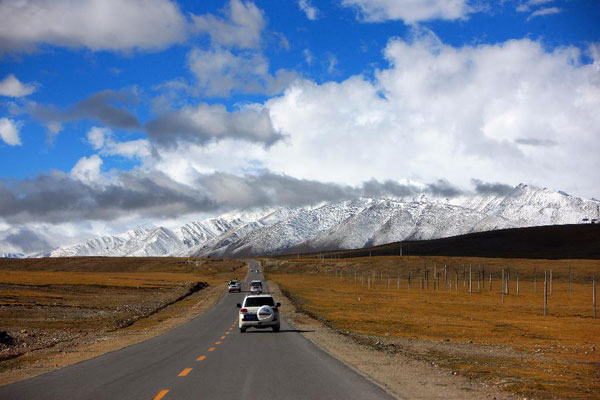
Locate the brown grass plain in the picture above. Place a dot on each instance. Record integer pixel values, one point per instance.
(49, 306)
(508, 344)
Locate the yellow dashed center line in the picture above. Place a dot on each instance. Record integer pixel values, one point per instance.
(201, 358)
(227, 333)
(185, 372)
(161, 394)
(218, 342)
(223, 337)
(211, 349)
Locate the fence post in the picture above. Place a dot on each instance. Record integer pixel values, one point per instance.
(545, 292)
(502, 287)
(594, 295)
(456, 280)
(517, 283)
(483, 277)
(470, 279)
(508, 280)
(490, 281)
(550, 283)
(409, 281)
(479, 279)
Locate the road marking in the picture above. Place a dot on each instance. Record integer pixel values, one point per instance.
(201, 358)
(161, 394)
(227, 333)
(185, 372)
(218, 342)
(223, 337)
(211, 349)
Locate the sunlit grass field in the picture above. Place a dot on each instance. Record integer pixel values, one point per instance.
(530, 354)
(46, 302)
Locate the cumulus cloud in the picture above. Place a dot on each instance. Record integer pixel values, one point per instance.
(58, 197)
(311, 11)
(87, 169)
(499, 189)
(107, 106)
(83, 195)
(102, 139)
(116, 25)
(205, 123)
(511, 111)
(241, 26)
(219, 72)
(23, 240)
(10, 86)
(410, 11)
(9, 131)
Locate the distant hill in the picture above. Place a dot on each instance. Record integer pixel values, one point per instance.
(547, 242)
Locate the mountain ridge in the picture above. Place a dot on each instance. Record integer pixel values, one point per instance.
(347, 224)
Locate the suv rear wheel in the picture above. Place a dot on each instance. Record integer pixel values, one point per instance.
(242, 330)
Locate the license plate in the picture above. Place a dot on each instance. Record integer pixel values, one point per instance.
(250, 317)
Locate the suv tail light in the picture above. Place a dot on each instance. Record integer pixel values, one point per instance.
(244, 310)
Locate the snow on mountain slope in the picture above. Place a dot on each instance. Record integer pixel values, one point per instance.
(388, 221)
(346, 224)
(527, 205)
(301, 226)
(220, 245)
(12, 255)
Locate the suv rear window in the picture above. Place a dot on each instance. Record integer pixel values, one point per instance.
(259, 301)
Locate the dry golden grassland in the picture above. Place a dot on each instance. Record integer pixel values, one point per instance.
(57, 303)
(510, 344)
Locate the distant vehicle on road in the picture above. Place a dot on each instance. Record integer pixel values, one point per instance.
(259, 311)
(234, 286)
(256, 287)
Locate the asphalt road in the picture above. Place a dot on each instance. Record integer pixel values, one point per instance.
(207, 358)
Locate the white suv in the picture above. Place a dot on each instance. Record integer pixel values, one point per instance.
(256, 287)
(259, 311)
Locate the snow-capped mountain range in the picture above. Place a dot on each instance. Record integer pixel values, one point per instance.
(347, 224)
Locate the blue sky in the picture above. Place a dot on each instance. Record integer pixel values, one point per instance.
(197, 102)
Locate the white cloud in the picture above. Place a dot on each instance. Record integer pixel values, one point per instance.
(87, 169)
(206, 123)
(119, 25)
(102, 139)
(9, 132)
(527, 5)
(242, 26)
(410, 11)
(544, 11)
(10, 86)
(308, 56)
(311, 11)
(219, 72)
(509, 112)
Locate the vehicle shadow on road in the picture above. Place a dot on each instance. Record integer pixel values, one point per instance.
(281, 331)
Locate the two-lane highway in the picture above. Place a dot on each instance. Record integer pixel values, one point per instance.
(207, 358)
